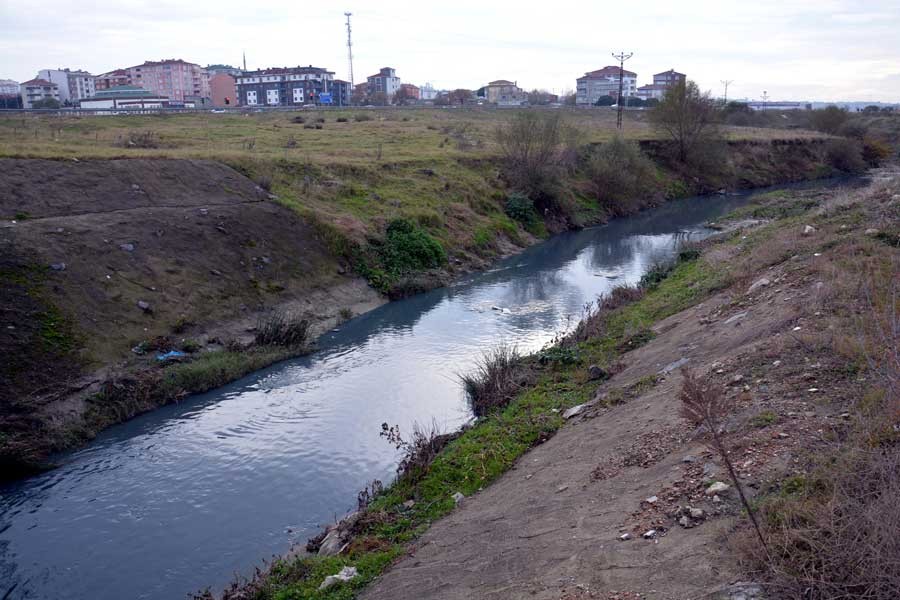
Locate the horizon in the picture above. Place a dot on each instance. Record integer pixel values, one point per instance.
(833, 52)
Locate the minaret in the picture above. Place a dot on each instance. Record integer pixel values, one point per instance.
(245, 60)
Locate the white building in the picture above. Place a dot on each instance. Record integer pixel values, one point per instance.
(604, 82)
(125, 97)
(385, 81)
(73, 85)
(8, 87)
(37, 90)
(427, 92)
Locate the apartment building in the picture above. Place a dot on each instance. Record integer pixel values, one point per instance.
(504, 93)
(604, 82)
(291, 86)
(37, 90)
(222, 90)
(116, 78)
(669, 78)
(174, 78)
(385, 82)
(410, 91)
(73, 85)
(8, 87)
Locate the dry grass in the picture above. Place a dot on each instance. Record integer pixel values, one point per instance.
(498, 376)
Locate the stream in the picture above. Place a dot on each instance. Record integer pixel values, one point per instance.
(188, 495)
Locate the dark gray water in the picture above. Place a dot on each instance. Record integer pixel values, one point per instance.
(186, 496)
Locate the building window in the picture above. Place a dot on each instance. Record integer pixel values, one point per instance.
(272, 97)
(251, 98)
(298, 95)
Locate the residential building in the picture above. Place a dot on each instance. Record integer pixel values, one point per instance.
(223, 90)
(112, 79)
(504, 93)
(669, 78)
(385, 82)
(125, 97)
(410, 91)
(604, 82)
(290, 86)
(427, 92)
(177, 79)
(8, 87)
(227, 69)
(655, 91)
(37, 90)
(73, 85)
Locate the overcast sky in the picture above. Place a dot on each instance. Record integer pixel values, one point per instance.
(794, 49)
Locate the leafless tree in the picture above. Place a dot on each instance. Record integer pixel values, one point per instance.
(687, 116)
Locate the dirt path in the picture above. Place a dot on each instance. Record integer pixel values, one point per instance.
(550, 527)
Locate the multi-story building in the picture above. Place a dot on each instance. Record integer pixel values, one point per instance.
(604, 82)
(112, 79)
(669, 78)
(291, 86)
(227, 69)
(37, 90)
(410, 91)
(427, 92)
(73, 85)
(504, 93)
(8, 87)
(385, 82)
(177, 79)
(125, 97)
(652, 91)
(222, 89)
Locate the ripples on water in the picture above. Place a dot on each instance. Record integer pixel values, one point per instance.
(188, 495)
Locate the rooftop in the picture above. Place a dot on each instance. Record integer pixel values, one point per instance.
(608, 71)
(501, 82)
(39, 81)
(126, 91)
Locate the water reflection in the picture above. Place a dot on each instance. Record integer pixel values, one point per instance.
(191, 493)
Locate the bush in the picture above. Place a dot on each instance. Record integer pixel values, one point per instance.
(829, 119)
(282, 329)
(341, 120)
(519, 208)
(298, 119)
(874, 152)
(620, 176)
(417, 453)
(497, 378)
(362, 117)
(408, 248)
(845, 155)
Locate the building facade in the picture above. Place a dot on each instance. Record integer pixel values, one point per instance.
(176, 79)
(111, 80)
(73, 85)
(37, 90)
(604, 82)
(652, 91)
(214, 70)
(385, 82)
(504, 93)
(125, 97)
(427, 92)
(669, 78)
(222, 89)
(410, 91)
(8, 87)
(291, 86)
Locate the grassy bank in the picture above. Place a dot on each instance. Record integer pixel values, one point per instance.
(844, 248)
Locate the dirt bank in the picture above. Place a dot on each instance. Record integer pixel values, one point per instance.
(102, 257)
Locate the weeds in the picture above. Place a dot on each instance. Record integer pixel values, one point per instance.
(282, 329)
(419, 451)
(498, 376)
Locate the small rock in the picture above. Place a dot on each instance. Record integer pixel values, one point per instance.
(458, 497)
(689, 459)
(872, 231)
(649, 534)
(651, 499)
(808, 230)
(697, 513)
(574, 411)
(736, 380)
(126, 247)
(685, 522)
(345, 574)
(409, 504)
(777, 363)
(625, 537)
(736, 317)
(561, 488)
(596, 372)
(144, 306)
(758, 284)
(717, 488)
(60, 266)
(135, 186)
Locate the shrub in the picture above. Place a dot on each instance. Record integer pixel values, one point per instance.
(519, 207)
(874, 151)
(282, 329)
(620, 176)
(362, 117)
(497, 378)
(845, 155)
(417, 453)
(829, 119)
(341, 120)
(408, 248)
(298, 119)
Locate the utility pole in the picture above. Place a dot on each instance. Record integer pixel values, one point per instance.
(726, 83)
(622, 57)
(349, 51)
(765, 98)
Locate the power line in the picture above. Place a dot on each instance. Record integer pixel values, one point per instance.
(622, 57)
(349, 49)
(726, 83)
